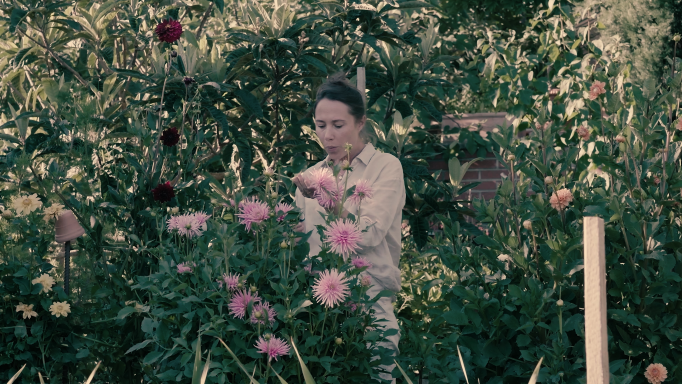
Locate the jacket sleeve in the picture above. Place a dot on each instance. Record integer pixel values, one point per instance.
(388, 200)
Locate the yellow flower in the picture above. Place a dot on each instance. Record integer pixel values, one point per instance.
(60, 309)
(46, 280)
(26, 204)
(27, 310)
(53, 212)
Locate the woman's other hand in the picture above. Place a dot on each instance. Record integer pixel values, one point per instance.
(300, 182)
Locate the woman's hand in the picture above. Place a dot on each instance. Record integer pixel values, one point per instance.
(300, 182)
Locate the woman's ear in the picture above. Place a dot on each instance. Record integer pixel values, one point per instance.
(361, 123)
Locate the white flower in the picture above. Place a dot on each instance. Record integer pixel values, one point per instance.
(27, 310)
(46, 280)
(54, 211)
(26, 204)
(60, 309)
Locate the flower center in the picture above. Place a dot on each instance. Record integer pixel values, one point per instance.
(26, 202)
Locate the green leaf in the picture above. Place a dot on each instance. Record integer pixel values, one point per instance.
(196, 374)
(407, 379)
(249, 102)
(139, 346)
(306, 373)
(536, 372)
(239, 363)
(16, 375)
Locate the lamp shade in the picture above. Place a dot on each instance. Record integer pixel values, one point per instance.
(67, 227)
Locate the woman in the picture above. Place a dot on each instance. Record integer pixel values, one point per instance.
(339, 114)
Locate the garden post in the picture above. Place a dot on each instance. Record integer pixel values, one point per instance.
(596, 333)
(361, 84)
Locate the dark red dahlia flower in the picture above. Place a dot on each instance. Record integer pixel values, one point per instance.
(163, 192)
(169, 30)
(170, 137)
(188, 80)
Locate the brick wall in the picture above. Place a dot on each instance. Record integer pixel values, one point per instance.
(488, 171)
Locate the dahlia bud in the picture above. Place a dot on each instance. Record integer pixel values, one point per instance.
(620, 138)
(258, 314)
(345, 165)
(509, 211)
(583, 132)
(268, 172)
(148, 209)
(559, 303)
(338, 341)
(267, 336)
(528, 224)
(348, 147)
(511, 158)
(274, 195)
(7, 214)
(549, 180)
(188, 80)
(174, 54)
(546, 126)
(272, 214)
(240, 285)
(153, 214)
(283, 245)
(254, 289)
(676, 38)
(175, 210)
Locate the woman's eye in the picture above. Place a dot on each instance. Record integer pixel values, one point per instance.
(338, 126)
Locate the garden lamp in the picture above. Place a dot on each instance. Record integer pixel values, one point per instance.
(67, 229)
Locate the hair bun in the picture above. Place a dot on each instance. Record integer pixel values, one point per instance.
(339, 78)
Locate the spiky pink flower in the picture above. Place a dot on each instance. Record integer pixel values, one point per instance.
(331, 288)
(200, 217)
(360, 262)
(321, 178)
(656, 373)
(343, 236)
(253, 211)
(230, 280)
(241, 301)
(188, 226)
(262, 312)
(328, 198)
(273, 346)
(185, 267)
(362, 191)
(351, 306)
(282, 208)
(560, 199)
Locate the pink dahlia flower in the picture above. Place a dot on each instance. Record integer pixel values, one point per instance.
(185, 267)
(188, 226)
(240, 302)
(253, 211)
(560, 199)
(343, 236)
(230, 280)
(331, 288)
(273, 346)
(321, 178)
(362, 191)
(597, 89)
(365, 280)
(656, 373)
(583, 132)
(282, 208)
(262, 312)
(200, 217)
(360, 262)
(168, 31)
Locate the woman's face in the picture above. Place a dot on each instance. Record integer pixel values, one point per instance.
(335, 127)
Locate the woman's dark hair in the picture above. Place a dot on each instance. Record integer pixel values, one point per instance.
(338, 88)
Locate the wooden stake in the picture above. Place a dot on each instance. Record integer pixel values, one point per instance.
(596, 333)
(362, 83)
